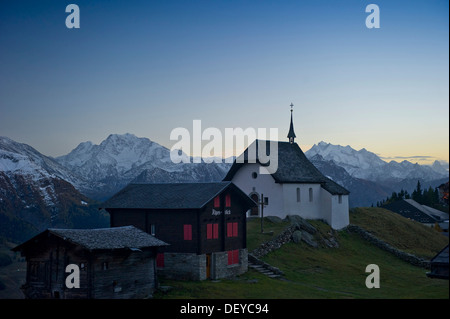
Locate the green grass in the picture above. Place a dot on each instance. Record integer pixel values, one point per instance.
(402, 233)
(254, 235)
(329, 272)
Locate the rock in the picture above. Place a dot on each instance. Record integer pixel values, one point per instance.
(274, 219)
(297, 236)
(331, 242)
(309, 239)
(301, 223)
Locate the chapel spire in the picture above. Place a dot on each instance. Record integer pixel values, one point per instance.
(291, 134)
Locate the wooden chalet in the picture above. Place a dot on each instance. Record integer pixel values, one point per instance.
(204, 223)
(113, 263)
(439, 265)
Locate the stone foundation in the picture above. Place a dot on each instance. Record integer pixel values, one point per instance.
(190, 266)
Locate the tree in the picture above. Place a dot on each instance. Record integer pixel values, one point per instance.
(417, 193)
(407, 196)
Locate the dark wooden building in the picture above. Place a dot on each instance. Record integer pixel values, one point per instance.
(113, 263)
(409, 208)
(204, 223)
(439, 265)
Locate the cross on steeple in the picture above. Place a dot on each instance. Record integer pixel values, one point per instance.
(291, 134)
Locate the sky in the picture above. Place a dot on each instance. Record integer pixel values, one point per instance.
(148, 67)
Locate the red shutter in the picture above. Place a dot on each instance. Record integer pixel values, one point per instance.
(229, 229)
(235, 229)
(209, 230)
(236, 256)
(230, 257)
(216, 231)
(217, 202)
(160, 260)
(187, 230)
(227, 200)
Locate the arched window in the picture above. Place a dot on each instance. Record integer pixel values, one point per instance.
(298, 194)
(310, 194)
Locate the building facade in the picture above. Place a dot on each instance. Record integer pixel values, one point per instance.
(297, 187)
(204, 223)
(113, 263)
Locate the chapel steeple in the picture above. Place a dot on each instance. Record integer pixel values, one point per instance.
(291, 134)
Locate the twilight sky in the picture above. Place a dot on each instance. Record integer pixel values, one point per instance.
(147, 67)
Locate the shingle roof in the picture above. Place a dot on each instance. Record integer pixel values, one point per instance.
(104, 238)
(293, 166)
(334, 188)
(441, 257)
(408, 210)
(170, 195)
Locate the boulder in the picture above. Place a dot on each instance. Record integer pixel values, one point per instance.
(273, 219)
(301, 223)
(297, 236)
(309, 239)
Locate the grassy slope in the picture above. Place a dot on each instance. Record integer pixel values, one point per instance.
(331, 272)
(315, 273)
(402, 233)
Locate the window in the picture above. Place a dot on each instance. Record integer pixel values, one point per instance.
(310, 194)
(212, 231)
(340, 199)
(227, 200)
(233, 257)
(254, 175)
(105, 265)
(298, 194)
(160, 260)
(152, 229)
(232, 229)
(217, 202)
(187, 232)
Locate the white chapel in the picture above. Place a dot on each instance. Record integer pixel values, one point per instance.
(297, 187)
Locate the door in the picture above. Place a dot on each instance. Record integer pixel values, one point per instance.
(254, 211)
(208, 266)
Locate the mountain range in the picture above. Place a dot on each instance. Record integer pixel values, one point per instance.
(37, 191)
(370, 179)
(121, 159)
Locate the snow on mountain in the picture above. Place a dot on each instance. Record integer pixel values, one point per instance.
(22, 159)
(362, 192)
(367, 165)
(35, 193)
(115, 156)
(441, 168)
(121, 159)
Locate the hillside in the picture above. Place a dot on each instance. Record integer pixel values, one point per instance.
(402, 233)
(314, 272)
(323, 273)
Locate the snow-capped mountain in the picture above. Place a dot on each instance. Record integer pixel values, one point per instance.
(121, 159)
(19, 158)
(35, 193)
(367, 165)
